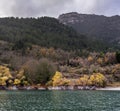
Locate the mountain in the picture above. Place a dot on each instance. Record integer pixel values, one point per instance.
(44, 31)
(101, 27)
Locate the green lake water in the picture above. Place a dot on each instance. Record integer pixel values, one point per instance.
(59, 101)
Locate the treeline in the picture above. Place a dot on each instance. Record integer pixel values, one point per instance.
(46, 32)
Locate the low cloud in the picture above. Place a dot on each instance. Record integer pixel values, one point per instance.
(37, 8)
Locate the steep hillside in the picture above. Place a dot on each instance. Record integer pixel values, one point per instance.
(97, 26)
(44, 31)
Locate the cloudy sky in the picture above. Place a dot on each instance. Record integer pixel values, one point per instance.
(38, 8)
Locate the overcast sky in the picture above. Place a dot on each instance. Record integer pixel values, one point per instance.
(38, 8)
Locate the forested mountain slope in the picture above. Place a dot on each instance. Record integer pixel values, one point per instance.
(44, 31)
(101, 27)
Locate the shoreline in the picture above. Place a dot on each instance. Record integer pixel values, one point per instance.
(61, 88)
(109, 89)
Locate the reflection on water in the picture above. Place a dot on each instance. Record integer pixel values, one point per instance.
(59, 101)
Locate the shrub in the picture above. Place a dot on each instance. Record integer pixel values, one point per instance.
(21, 77)
(16, 82)
(39, 71)
(98, 80)
(58, 80)
(4, 75)
(84, 80)
(45, 71)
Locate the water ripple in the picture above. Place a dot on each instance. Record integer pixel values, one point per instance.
(59, 101)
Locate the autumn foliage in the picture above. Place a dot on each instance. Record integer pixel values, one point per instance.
(4, 75)
(59, 80)
(96, 79)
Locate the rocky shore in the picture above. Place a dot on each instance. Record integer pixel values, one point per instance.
(13, 88)
(49, 88)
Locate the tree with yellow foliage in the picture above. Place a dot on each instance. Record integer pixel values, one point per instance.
(84, 80)
(98, 80)
(65, 82)
(4, 75)
(17, 82)
(21, 77)
(57, 78)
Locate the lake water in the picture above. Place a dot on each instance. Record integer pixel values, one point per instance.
(59, 101)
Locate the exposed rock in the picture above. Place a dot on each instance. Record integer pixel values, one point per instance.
(99, 26)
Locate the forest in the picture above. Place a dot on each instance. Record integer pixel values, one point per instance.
(46, 32)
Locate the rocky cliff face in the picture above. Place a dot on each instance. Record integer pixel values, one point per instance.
(98, 26)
